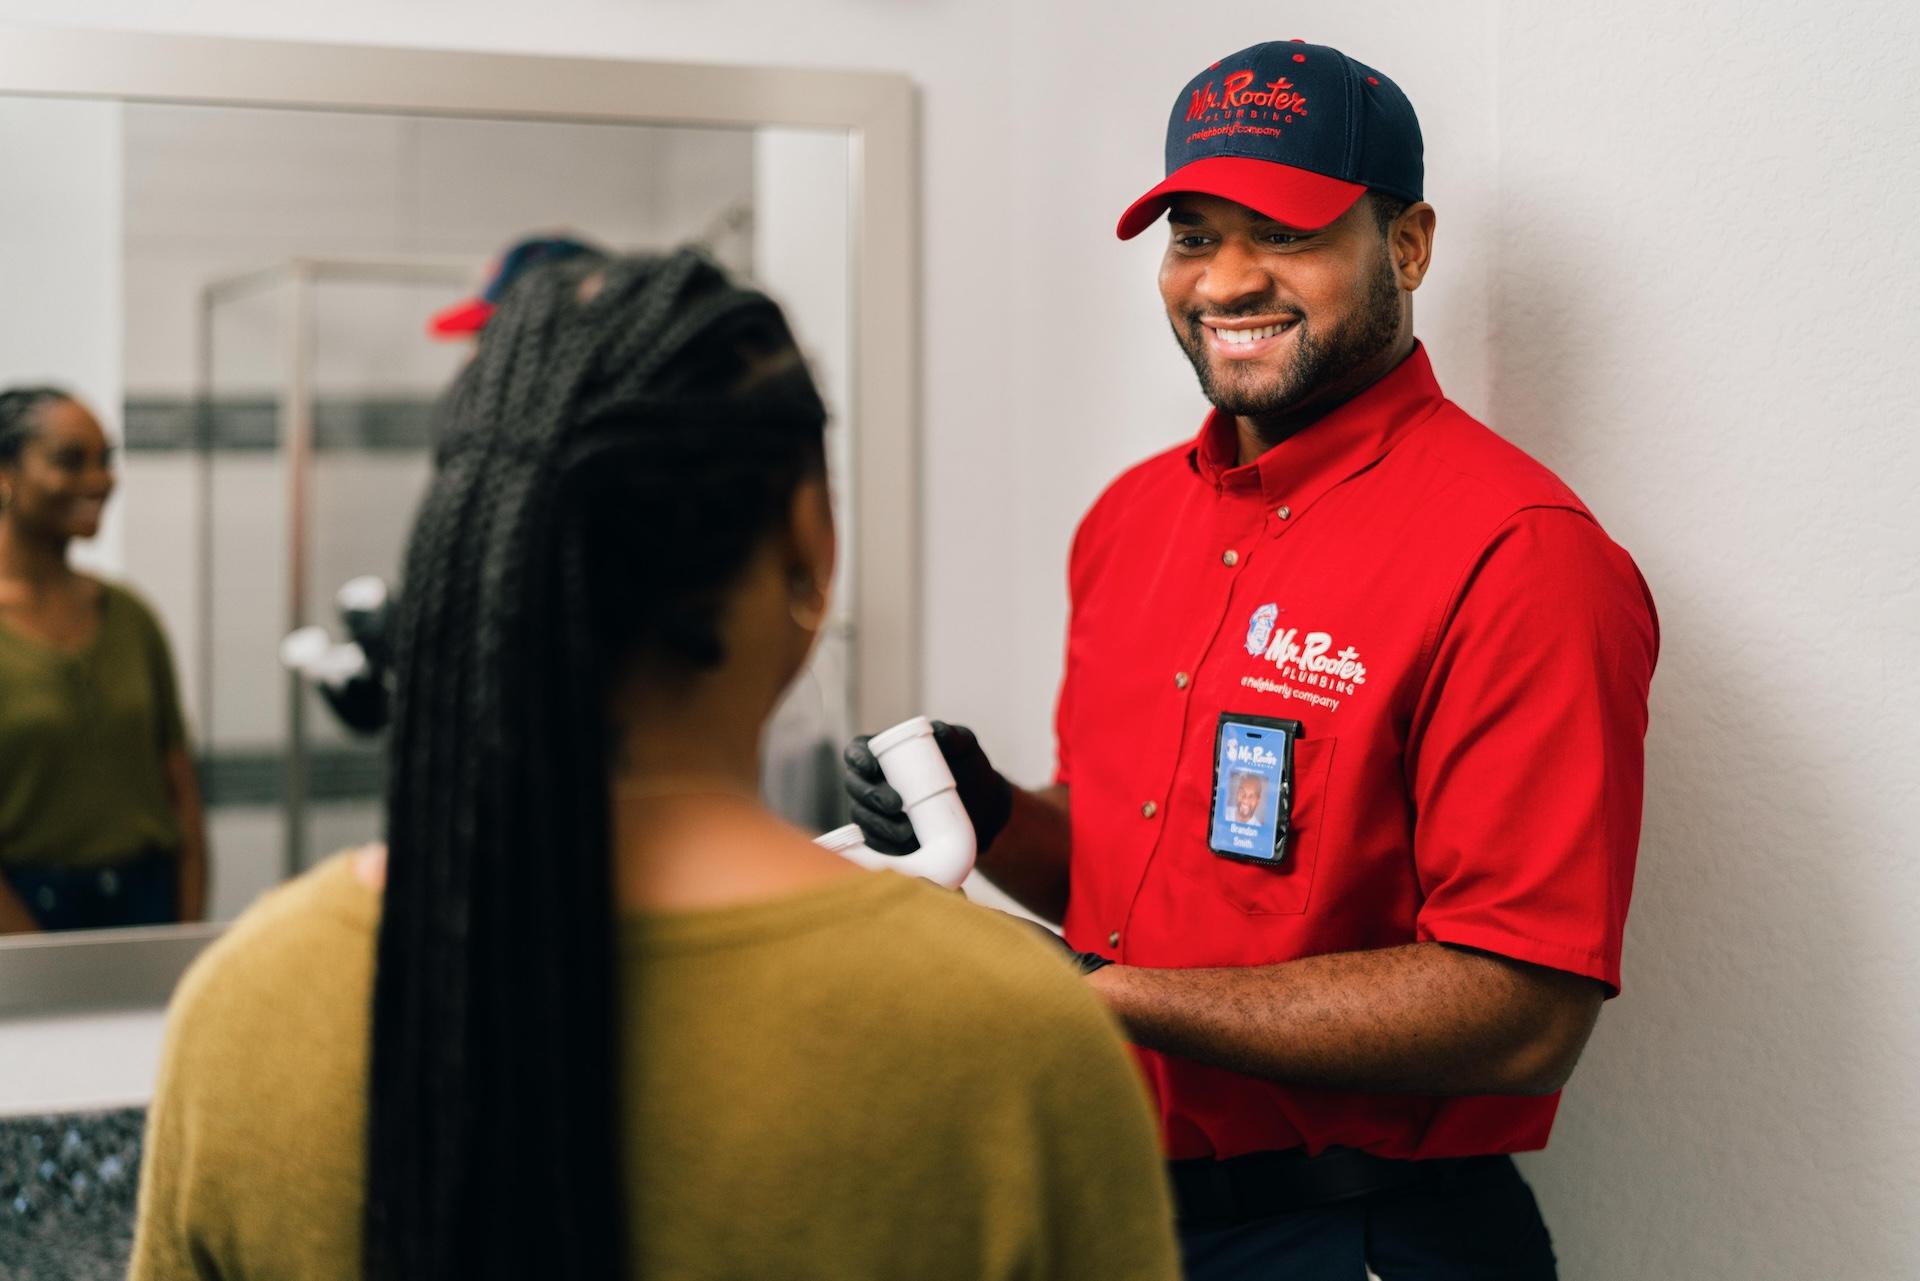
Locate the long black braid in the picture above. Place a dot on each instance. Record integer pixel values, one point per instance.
(628, 434)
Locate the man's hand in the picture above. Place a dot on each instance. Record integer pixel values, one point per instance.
(987, 796)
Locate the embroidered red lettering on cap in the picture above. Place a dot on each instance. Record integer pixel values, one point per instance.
(1204, 100)
(1279, 94)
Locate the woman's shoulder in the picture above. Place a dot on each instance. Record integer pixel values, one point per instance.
(124, 602)
(302, 949)
(113, 590)
(977, 965)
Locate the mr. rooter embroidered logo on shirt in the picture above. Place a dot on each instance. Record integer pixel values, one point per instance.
(1239, 107)
(1308, 667)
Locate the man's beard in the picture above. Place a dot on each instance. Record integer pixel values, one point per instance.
(1317, 361)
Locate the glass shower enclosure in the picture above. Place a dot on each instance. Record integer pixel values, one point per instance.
(316, 384)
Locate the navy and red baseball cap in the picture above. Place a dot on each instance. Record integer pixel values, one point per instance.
(467, 318)
(1296, 131)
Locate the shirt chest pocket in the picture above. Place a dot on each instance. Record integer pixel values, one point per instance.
(1286, 889)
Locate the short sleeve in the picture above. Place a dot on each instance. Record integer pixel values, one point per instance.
(1062, 771)
(1526, 751)
(1083, 538)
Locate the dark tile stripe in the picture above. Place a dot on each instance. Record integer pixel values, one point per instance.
(257, 776)
(159, 424)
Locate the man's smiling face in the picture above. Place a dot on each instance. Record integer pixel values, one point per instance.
(1247, 799)
(1276, 318)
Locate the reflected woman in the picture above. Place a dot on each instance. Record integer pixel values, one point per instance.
(595, 1011)
(100, 817)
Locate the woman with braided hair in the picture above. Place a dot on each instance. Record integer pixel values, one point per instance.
(100, 819)
(594, 1011)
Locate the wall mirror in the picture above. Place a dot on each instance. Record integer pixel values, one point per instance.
(232, 250)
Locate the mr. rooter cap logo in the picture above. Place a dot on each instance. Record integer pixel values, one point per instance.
(1245, 106)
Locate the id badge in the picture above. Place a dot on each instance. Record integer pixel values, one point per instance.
(1252, 788)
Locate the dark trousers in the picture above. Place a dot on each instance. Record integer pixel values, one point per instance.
(1472, 1220)
(143, 890)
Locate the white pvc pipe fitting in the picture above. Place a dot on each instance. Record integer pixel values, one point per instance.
(911, 761)
(312, 653)
(363, 593)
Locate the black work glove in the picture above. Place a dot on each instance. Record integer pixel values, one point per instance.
(363, 703)
(987, 796)
(1087, 961)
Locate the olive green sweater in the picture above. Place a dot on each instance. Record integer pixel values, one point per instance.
(871, 1078)
(84, 736)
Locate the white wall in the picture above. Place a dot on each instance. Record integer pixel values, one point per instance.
(60, 265)
(1703, 317)
(1673, 262)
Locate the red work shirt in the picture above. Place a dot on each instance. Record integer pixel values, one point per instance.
(1468, 654)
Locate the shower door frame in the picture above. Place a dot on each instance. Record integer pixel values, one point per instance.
(301, 277)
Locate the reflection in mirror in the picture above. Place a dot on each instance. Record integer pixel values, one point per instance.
(243, 296)
(98, 803)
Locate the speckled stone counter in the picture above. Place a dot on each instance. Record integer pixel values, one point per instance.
(67, 1188)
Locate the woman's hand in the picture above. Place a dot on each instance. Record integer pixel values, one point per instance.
(183, 786)
(14, 916)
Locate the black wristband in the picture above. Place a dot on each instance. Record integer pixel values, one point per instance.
(1085, 962)
(1090, 961)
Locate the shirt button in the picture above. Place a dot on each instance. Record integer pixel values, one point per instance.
(1230, 557)
(1149, 810)
(1179, 680)
(1284, 513)
(1113, 939)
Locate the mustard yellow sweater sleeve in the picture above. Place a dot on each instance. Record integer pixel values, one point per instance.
(162, 1246)
(252, 1164)
(1109, 1215)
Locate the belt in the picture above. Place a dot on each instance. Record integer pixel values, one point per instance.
(71, 897)
(1210, 1193)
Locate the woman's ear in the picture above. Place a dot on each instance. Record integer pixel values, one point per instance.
(812, 538)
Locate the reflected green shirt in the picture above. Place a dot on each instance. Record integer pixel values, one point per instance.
(82, 739)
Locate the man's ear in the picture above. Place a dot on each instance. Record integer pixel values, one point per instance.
(1410, 245)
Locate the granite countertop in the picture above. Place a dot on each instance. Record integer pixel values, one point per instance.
(67, 1190)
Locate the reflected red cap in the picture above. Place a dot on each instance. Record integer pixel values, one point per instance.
(470, 315)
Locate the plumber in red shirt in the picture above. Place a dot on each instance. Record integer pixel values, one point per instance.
(1422, 652)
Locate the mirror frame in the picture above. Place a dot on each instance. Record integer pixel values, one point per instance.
(134, 968)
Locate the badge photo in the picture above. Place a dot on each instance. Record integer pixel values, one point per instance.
(1252, 810)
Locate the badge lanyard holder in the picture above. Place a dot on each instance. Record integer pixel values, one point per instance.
(1252, 814)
